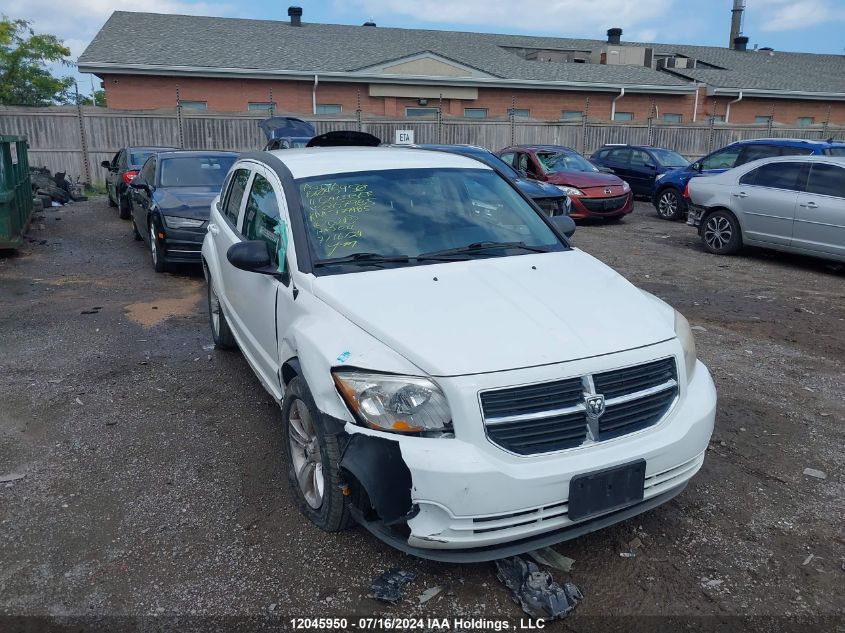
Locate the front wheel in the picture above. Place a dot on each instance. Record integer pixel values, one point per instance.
(313, 460)
(670, 206)
(220, 331)
(721, 233)
(156, 249)
(123, 209)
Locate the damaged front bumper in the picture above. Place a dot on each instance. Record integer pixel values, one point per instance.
(466, 500)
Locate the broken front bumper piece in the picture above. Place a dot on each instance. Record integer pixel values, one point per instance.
(464, 500)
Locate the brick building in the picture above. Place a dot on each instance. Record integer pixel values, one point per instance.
(148, 60)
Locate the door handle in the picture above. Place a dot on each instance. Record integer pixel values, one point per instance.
(741, 194)
(213, 229)
(809, 205)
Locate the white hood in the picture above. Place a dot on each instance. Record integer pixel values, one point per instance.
(500, 313)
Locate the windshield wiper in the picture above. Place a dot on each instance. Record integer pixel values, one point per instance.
(373, 259)
(480, 247)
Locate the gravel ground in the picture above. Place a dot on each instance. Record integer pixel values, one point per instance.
(153, 485)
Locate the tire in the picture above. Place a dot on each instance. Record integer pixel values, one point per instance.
(156, 249)
(135, 234)
(112, 203)
(220, 331)
(313, 458)
(123, 210)
(670, 205)
(720, 233)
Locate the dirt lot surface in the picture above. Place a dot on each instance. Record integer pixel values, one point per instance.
(153, 482)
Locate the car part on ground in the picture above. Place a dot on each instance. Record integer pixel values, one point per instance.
(535, 590)
(389, 585)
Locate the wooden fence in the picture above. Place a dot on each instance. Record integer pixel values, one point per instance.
(76, 139)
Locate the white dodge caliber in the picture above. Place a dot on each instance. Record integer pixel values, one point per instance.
(453, 375)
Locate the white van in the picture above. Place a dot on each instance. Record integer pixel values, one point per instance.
(453, 375)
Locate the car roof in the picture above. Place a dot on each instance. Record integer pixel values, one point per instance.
(320, 161)
(534, 148)
(195, 153)
(132, 148)
(806, 158)
(790, 142)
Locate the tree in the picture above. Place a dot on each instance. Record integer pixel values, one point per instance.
(24, 55)
(97, 99)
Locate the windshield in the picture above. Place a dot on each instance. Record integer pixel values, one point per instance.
(195, 171)
(668, 158)
(552, 162)
(407, 213)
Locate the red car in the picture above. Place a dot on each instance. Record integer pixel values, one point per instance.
(594, 194)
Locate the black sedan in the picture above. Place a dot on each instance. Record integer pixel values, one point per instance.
(121, 170)
(171, 199)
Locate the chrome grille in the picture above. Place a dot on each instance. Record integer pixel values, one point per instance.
(552, 416)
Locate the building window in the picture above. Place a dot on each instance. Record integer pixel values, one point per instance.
(673, 118)
(475, 113)
(569, 115)
(261, 106)
(717, 118)
(329, 108)
(804, 121)
(623, 116)
(762, 119)
(519, 113)
(410, 112)
(194, 105)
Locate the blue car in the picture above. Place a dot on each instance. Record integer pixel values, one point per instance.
(171, 202)
(548, 197)
(668, 196)
(638, 165)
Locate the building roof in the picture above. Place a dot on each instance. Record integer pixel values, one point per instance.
(170, 44)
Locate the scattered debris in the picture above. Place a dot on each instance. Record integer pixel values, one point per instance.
(208, 348)
(627, 554)
(635, 543)
(536, 591)
(812, 472)
(111, 422)
(712, 584)
(78, 401)
(10, 477)
(430, 593)
(388, 587)
(698, 328)
(550, 558)
(808, 560)
(273, 606)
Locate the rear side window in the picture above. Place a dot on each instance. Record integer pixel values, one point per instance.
(602, 154)
(620, 156)
(827, 180)
(776, 176)
(262, 214)
(235, 194)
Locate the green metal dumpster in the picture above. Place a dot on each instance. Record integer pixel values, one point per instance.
(15, 191)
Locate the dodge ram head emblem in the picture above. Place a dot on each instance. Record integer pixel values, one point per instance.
(595, 406)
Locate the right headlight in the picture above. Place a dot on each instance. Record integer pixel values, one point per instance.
(687, 340)
(570, 191)
(401, 404)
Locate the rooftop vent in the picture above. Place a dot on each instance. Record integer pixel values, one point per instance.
(369, 23)
(295, 14)
(740, 43)
(614, 35)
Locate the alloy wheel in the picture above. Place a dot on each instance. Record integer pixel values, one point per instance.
(153, 248)
(717, 232)
(306, 454)
(667, 205)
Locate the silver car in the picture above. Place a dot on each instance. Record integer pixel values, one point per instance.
(789, 203)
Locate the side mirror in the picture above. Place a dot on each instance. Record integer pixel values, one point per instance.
(564, 224)
(651, 166)
(253, 256)
(605, 170)
(106, 164)
(696, 166)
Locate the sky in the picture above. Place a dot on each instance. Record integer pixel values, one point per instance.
(814, 26)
